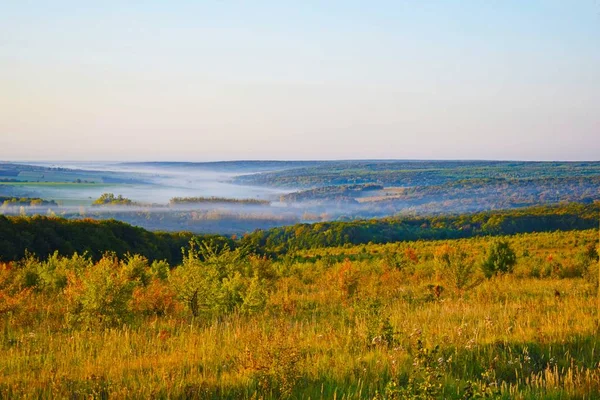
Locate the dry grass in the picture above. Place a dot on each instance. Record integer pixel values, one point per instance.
(510, 337)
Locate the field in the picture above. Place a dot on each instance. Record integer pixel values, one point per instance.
(57, 185)
(415, 320)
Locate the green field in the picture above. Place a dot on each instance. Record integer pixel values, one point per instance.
(56, 176)
(65, 185)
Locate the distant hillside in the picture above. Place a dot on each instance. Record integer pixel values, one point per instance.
(235, 166)
(43, 235)
(524, 220)
(415, 173)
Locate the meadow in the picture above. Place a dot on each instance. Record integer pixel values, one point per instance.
(512, 317)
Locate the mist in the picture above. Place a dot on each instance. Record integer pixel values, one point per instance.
(220, 197)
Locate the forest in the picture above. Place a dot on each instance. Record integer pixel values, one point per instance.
(414, 173)
(43, 235)
(327, 234)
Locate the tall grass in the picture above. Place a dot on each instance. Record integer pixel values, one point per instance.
(354, 329)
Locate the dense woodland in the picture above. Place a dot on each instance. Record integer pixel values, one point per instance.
(289, 193)
(109, 199)
(339, 192)
(415, 173)
(44, 235)
(8, 202)
(326, 234)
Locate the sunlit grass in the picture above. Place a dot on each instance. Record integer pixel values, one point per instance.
(532, 337)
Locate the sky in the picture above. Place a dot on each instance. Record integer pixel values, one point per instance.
(225, 80)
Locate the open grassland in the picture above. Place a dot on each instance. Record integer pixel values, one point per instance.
(56, 176)
(402, 320)
(58, 185)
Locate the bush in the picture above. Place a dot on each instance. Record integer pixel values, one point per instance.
(255, 298)
(455, 268)
(101, 294)
(214, 280)
(53, 272)
(13, 295)
(157, 298)
(500, 259)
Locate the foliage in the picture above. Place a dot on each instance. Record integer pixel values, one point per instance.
(426, 381)
(25, 201)
(338, 192)
(326, 234)
(416, 173)
(354, 322)
(100, 295)
(500, 259)
(215, 280)
(455, 268)
(45, 235)
(109, 199)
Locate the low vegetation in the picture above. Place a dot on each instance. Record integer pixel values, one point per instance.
(418, 320)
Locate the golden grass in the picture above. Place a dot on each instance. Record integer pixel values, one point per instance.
(315, 341)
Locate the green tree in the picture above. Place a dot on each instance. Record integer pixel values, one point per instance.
(500, 259)
(455, 268)
(101, 294)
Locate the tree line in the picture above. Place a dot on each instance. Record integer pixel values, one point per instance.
(45, 235)
(337, 233)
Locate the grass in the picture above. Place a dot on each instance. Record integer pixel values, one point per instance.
(358, 329)
(55, 184)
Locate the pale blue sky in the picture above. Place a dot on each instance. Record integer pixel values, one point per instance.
(207, 80)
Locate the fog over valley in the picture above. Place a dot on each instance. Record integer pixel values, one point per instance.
(238, 197)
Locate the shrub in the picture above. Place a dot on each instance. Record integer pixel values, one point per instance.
(136, 269)
(160, 270)
(12, 295)
(455, 268)
(212, 280)
(347, 280)
(274, 362)
(255, 298)
(500, 259)
(53, 272)
(157, 298)
(101, 294)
